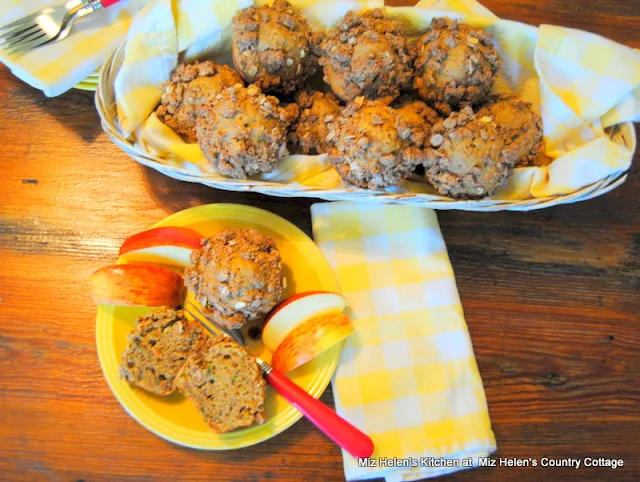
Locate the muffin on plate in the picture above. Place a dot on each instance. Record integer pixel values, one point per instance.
(158, 347)
(226, 385)
(236, 276)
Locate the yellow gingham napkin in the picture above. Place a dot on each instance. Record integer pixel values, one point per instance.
(56, 68)
(580, 83)
(407, 375)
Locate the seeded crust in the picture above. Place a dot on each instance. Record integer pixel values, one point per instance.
(236, 276)
(310, 132)
(226, 385)
(190, 87)
(243, 132)
(158, 347)
(367, 55)
(456, 65)
(520, 127)
(272, 47)
(373, 145)
(467, 161)
(418, 117)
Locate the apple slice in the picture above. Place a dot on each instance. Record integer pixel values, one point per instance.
(164, 245)
(295, 310)
(136, 285)
(309, 339)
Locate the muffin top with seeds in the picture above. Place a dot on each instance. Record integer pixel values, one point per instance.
(374, 145)
(273, 47)
(317, 110)
(236, 276)
(456, 65)
(367, 55)
(243, 132)
(468, 159)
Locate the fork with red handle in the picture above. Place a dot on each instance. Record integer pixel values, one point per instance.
(329, 422)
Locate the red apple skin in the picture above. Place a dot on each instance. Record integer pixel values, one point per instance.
(167, 235)
(284, 303)
(309, 339)
(137, 285)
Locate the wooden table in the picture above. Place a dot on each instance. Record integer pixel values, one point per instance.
(551, 299)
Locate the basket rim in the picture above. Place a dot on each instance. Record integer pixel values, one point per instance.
(108, 116)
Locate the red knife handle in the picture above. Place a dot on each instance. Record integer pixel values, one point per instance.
(335, 427)
(108, 3)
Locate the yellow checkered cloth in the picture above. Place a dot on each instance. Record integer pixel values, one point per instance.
(407, 376)
(579, 82)
(56, 68)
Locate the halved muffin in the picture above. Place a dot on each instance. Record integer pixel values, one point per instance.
(158, 347)
(225, 383)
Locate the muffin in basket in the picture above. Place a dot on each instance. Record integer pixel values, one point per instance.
(367, 55)
(273, 47)
(243, 132)
(521, 128)
(375, 146)
(189, 89)
(456, 65)
(317, 110)
(467, 160)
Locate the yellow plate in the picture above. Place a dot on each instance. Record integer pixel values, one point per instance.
(85, 86)
(173, 417)
(90, 82)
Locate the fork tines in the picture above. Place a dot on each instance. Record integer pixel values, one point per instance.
(197, 314)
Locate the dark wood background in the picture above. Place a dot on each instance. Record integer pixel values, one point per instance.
(552, 299)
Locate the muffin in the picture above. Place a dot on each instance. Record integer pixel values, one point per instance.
(190, 87)
(367, 55)
(521, 128)
(375, 146)
(243, 132)
(417, 116)
(226, 385)
(236, 276)
(467, 160)
(456, 65)
(158, 347)
(317, 110)
(273, 47)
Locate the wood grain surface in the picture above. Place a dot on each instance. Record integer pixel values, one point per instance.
(552, 300)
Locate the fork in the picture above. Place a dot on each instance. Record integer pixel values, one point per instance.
(329, 422)
(49, 25)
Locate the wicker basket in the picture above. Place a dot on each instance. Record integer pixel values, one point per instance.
(623, 134)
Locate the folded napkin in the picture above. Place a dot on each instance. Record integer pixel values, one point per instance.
(56, 68)
(579, 82)
(407, 375)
